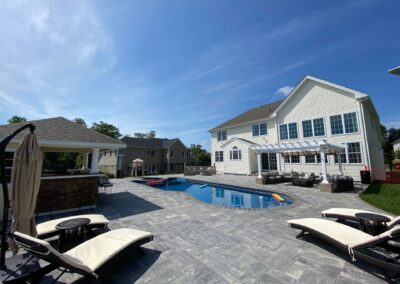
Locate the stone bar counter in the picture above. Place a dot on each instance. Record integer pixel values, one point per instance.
(67, 193)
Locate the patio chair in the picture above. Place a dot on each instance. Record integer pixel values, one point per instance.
(48, 229)
(360, 245)
(88, 258)
(345, 214)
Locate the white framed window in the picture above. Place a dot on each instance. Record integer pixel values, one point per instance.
(313, 127)
(318, 158)
(344, 123)
(310, 159)
(353, 154)
(151, 153)
(259, 129)
(219, 156)
(221, 135)
(235, 153)
(171, 154)
(292, 159)
(288, 131)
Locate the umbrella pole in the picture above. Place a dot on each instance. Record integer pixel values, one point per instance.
(6, 203)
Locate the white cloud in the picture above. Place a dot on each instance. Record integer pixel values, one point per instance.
(284, 91)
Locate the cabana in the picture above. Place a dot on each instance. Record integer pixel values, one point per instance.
(314, 147)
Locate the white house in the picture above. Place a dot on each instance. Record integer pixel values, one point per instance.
(315, 112)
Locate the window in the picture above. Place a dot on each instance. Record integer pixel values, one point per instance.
(150, 153)
(183, 154)
(9, 160)
(259, 129)
(283, 132)
(318, 157)
(336, 124)
(354, 151)
(219, 156)
(221, 136)
(319, 129)
(310, 159)
(295, 159)
(293, 130)
(171, 154)
(352, 155)
(288, 131)
(350, 122)
(292, 159)
(307, 129)
(235, 153)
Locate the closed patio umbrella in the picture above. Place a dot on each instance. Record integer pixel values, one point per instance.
(25, 179)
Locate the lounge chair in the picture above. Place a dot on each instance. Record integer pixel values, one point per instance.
(343, 214)
(48, 229)
(88, 258)
(360, 245)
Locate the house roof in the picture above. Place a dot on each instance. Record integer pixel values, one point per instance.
(61, 132)
(158, 143)
(257, 113)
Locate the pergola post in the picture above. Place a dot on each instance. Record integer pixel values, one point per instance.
(85, 160)
(95, 161)
(259, 165)
(323, 165)
(340, 163)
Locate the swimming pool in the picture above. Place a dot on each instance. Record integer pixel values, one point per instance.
(227, 196)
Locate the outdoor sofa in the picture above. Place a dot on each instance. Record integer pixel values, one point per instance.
(361, 246)
(48, 229)
(88, 258)
(344, 214)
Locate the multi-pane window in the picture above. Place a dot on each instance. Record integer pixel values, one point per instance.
(314, 127)
(235, 154)
(259, 129)
(171, 154)
(310, 159)
(354, 151)
(319, 129)
(221, 135)
(352, 155)
(150, 153)
(183, 154)
(293, 130)
(292, 159)
(318, 157)
(350, 122)
(307, 128)
(283, 131)
(346, 123)
(295, 159)
(288, 131)
(336, 124)
(219, 156)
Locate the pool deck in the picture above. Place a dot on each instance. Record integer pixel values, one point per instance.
(201, 243)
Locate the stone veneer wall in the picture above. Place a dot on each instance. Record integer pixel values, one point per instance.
(67, 193)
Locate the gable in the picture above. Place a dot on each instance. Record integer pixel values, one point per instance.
(240, 141)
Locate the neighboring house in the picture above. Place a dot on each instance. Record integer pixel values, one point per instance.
(314, 110)
(396, 145)
(159, 156)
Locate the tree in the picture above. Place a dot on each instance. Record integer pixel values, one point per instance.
(148, 135)
(106, 129)
(16, 119)
(199, 156)
(389, 137)
(79, 121)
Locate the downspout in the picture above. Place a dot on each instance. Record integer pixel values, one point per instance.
(365, 136)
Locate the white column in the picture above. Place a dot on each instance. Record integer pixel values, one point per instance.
(95, 161)
(259, 165)
(278, 161)
(323, 165)
(283, 162)
(85, 160)
(340, 162)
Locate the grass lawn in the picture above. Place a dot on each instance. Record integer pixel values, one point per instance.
(383, 196)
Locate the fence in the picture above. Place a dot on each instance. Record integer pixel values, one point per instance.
(393, 177)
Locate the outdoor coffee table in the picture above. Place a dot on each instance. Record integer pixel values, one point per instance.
(72, 233)
(372, 223)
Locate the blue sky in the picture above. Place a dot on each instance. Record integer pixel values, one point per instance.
(183, 67)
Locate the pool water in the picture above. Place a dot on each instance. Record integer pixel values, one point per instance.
(223, 195)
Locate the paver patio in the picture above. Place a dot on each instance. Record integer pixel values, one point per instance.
(201, 243)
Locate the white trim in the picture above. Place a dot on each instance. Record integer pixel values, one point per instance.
(259, 135)
(365, 136)
(288, 132)
(238, 140)
(343, 124)
(241, 124)
(312, 127)
(357, 94)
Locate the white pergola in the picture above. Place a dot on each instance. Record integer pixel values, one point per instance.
(322, 148)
